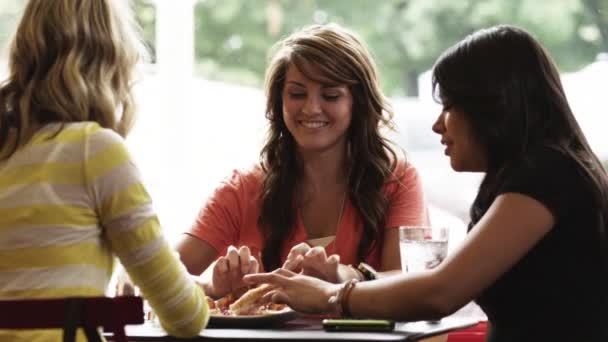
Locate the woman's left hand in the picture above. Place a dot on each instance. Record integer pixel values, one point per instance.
(300, 292)
(313, 261)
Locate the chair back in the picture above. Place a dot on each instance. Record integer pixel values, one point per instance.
(88, 313)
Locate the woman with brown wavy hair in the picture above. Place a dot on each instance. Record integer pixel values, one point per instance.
(536, 256)
(329, 190)
(71, 198)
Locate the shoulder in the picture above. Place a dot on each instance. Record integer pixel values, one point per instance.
(404, 171)
(541, 162)
(245, 183)
(87, 132)
(403, 178)
(548, 175)
(251, 176)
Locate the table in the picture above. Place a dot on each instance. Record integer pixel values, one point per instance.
(306, 329)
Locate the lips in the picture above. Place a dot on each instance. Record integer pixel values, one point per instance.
(313, 124)
(447, 146)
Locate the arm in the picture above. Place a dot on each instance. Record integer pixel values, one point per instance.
(222, 275)
(407, 207)
(195, 254)
(513, 224)
(132, 229)
(391, 258)
(218, 227)
(510, 228)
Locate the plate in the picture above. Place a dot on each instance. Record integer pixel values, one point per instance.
(252, 321)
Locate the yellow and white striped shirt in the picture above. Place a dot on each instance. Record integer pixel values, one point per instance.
(70, 202)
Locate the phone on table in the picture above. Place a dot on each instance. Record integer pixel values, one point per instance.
(358, 325)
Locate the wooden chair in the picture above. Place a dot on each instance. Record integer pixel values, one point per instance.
(89, 313)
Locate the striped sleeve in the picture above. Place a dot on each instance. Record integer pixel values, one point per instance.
(134, 234)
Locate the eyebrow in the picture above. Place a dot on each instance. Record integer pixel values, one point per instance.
(323, 85)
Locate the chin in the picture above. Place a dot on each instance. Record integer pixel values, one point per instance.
(456, 166)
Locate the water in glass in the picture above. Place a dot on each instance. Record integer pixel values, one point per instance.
(422, 248)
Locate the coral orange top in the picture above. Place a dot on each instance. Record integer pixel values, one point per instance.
(230, 215)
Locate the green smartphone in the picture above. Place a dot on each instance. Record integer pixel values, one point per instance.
(358, 325)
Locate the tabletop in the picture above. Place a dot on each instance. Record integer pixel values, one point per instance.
(306, 329)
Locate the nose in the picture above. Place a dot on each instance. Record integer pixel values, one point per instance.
(312, 105)
(438, 126)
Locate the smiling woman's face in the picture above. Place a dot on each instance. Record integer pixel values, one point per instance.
(317, 114)
(458, 137)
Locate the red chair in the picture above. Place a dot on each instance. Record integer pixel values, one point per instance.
(476, 333)
(69, 314)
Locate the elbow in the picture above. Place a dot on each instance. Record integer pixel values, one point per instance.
(190, 325)
(438, 309)
(441, 302)
(192, 329)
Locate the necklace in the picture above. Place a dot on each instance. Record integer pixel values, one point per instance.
(336, 224)
(341, 210)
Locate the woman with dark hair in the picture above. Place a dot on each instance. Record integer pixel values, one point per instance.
(536, 256)
(328, 182)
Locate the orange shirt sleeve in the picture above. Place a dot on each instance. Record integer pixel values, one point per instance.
(407, 204)
(219, 220)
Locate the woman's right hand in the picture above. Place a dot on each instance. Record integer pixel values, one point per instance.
(300, 292)
(228, 271)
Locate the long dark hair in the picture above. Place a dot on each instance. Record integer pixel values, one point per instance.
(342, 58)
(510, 89)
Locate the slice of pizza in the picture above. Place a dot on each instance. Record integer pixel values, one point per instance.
(251, 302)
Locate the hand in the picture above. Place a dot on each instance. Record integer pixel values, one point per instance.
(313, 261)
(228, 271)
(300, 292)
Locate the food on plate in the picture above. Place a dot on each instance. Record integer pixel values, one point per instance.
(248, 303)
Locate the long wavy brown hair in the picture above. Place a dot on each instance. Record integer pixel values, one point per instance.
(69, 61)
(342, 58)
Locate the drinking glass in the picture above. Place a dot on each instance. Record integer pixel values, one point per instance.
(422, 248)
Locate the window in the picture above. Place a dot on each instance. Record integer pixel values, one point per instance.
(202, 106)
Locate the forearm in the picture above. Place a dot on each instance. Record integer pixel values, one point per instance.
(175, 298)
(403, 297)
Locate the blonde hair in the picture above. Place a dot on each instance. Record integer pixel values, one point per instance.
(70, 61)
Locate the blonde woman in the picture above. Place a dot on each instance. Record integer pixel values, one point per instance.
(71, 198)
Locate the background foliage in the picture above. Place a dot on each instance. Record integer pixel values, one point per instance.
(406, 36)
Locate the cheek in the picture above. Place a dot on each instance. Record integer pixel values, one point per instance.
(288, 110)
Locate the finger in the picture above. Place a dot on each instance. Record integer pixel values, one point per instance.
(284, 272)
(293, 264)
(333, 259)
(244, 257)
(279, 297)
(299, 249)
(316, 251)
(270, 278)
(221, 265)
(254, 266)
(267, 297)
(233, 258)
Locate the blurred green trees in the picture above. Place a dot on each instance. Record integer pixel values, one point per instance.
(406, 36)
(233, 37)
